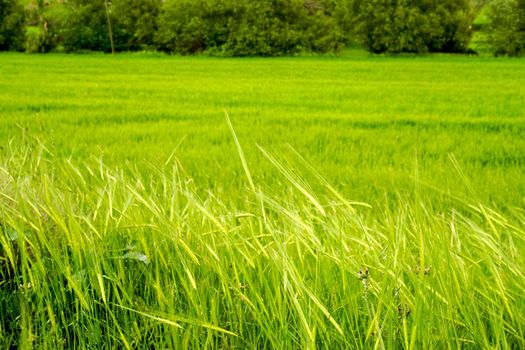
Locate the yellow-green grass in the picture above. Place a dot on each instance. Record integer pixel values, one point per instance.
(366, 122)
(352, 202)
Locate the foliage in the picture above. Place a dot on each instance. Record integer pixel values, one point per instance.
(136, 21)
(86, 26)
(478, 5)
(183, 27)
(245, 28)
(44, 34)
(413, 26)
(263, 28)
(343, 12)
(507, 27)
(12, 30)
(37, 41)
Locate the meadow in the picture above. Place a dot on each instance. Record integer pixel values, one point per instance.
(351, 201)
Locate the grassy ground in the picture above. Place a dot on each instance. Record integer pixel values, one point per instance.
(132, 215)
(364, 121)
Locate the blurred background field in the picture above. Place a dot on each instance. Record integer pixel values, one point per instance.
(373, 125)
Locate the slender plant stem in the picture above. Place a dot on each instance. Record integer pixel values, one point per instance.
(110, 30)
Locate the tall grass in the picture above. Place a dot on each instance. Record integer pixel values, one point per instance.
(93, 256)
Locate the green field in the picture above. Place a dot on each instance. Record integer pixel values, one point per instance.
(365, 122)
(133, 216)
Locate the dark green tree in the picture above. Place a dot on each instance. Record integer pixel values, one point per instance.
(12, 30)
(136, 22)
(507, 27)
(248, 28)
(185, 26)
(395, 26)
(86, 27)
(342, 11)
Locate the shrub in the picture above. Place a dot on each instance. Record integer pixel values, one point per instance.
(44, 26)
(182, 26)
(248, 28)
(342, 12)
(507, 27)
(86, 26)
(37, 40)
(136, 22)
(12, 31)
(413, 26)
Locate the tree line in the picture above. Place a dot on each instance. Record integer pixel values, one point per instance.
(258, 28)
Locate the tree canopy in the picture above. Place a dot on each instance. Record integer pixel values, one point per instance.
(507, 24)
(12, 30)
(413, 25)
(262, 28)
(246, 27)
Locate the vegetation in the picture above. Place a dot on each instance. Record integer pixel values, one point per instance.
(248, 28)
(137, 20)
(481, 32)
(43, 33)
(265, 28)
(414, 26)
(87, 26)
(11, 25)
(340, 113)
(507, 23)
(134, 214)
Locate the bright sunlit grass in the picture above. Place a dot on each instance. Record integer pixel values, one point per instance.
(93, 258)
